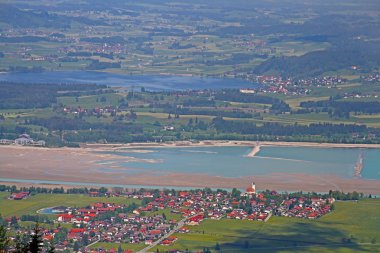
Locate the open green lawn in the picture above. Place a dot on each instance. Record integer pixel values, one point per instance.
(35, 203)
(294, 103)
(169, 215)
(91, 101)
(358, 222)
(124, 246)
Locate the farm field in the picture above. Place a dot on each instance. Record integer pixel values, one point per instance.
(356, 222)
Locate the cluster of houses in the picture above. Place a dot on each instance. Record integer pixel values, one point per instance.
(95, 111)
(322, 81)
(305, 208)
(24, 140)
(357, 95)
(147, 224)
(372, 78)
(280, 85)
(101, 222)
(291, 86)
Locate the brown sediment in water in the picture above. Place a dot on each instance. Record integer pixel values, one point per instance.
(84, 165)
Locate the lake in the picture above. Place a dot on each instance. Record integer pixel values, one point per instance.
(233, 161)
(150, 82)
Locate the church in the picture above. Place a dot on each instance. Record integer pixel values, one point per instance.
(250, 191)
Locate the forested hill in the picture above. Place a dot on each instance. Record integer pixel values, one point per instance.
(363, 54)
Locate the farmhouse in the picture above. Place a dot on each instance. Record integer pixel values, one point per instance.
(19, 196)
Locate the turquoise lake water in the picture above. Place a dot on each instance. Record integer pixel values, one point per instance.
(150, 82)
(233, 162)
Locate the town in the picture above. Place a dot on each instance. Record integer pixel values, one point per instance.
(149, 224)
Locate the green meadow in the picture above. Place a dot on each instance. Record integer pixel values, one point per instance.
(124, 246)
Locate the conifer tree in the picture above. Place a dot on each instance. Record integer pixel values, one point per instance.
(4, 240)
(35, 245)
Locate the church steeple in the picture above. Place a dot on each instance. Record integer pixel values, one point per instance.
(251, 190)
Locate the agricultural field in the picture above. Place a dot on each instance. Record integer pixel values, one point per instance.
(182, 38)
(352, 227)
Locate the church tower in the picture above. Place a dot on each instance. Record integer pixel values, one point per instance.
(251, 190)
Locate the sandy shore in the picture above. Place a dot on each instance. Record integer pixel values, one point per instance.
(84, 165)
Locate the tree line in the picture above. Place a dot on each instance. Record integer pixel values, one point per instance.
(344, 106)
(276, 129)
(56, 190)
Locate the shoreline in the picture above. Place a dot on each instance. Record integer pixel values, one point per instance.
(221, 143)
(206, 143)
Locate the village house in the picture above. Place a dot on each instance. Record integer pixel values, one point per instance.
(19, 195)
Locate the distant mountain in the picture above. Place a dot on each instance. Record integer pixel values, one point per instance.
(365, 55)
(39, 18)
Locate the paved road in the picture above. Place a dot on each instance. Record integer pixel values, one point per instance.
(92, 243)
(180, 224)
